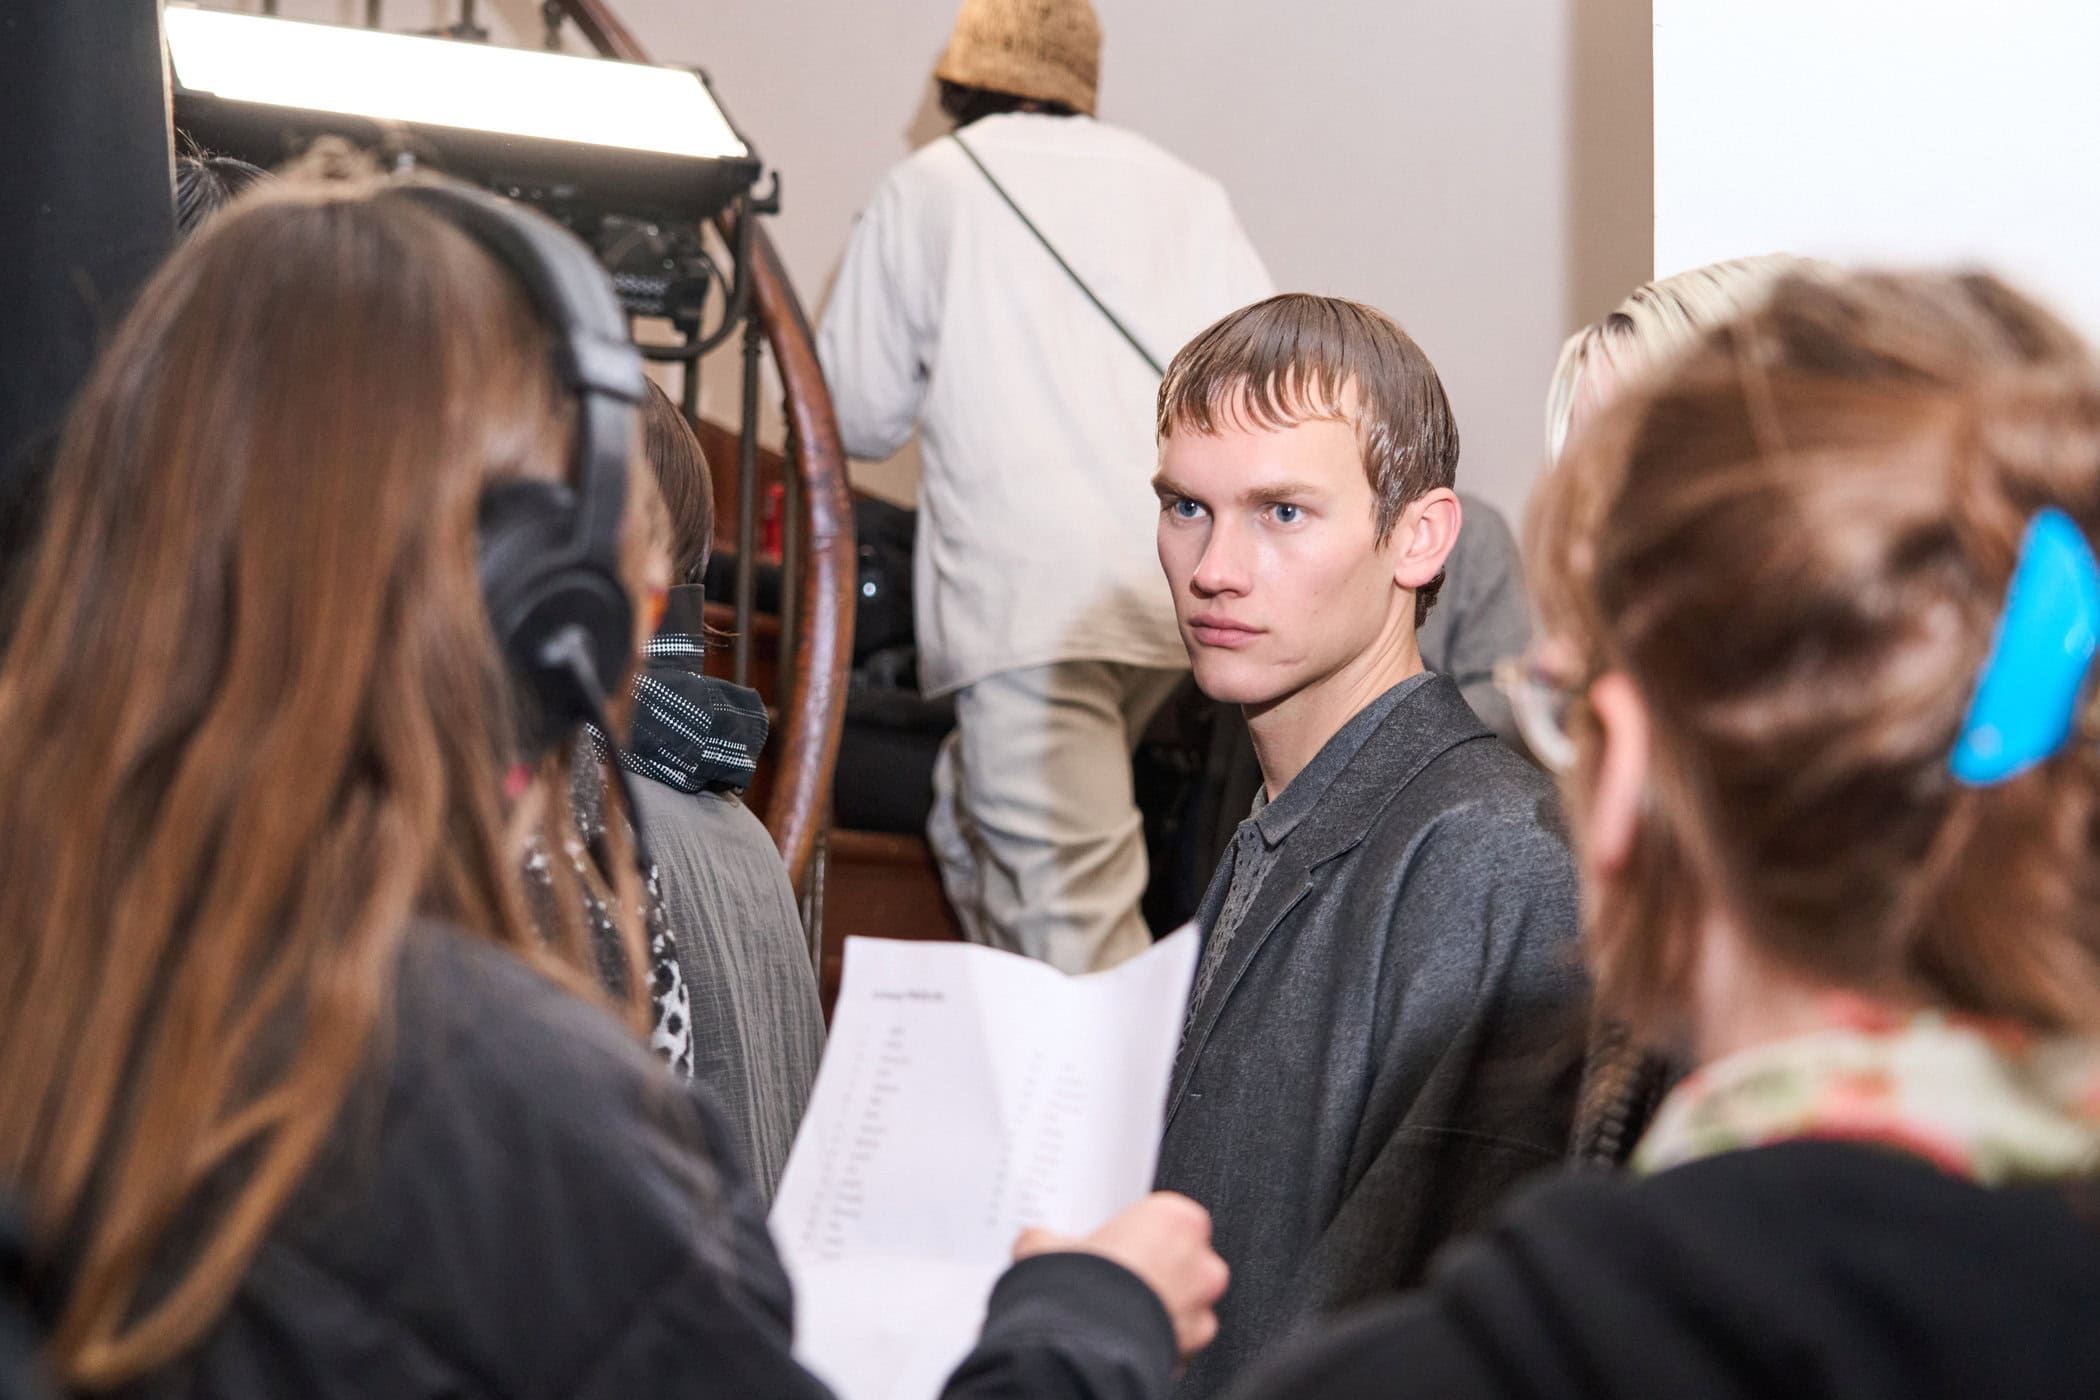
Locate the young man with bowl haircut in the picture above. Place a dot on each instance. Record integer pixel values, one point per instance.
(1385, 1031)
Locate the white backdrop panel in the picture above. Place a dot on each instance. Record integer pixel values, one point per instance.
(1895, 131)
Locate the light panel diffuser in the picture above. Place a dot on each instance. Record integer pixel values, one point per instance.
(445, 82)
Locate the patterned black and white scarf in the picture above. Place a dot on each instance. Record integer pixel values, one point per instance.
(692, 731)
(671, 1028)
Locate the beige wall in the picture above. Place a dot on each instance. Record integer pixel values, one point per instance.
(1479, 168)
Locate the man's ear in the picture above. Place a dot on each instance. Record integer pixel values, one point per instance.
(1424, 535)
(1619, 792)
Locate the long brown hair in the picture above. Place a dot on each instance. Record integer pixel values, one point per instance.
(252, 723)
(1796, 542)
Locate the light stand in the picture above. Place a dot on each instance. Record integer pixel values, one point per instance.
(636, 159)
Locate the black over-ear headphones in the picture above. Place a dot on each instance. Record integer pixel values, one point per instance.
(550, 551)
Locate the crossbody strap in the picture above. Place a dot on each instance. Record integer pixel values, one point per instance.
(1051, 249)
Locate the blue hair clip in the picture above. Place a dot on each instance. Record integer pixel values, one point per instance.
(2026, 702)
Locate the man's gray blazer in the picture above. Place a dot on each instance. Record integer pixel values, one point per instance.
(1395, 1035)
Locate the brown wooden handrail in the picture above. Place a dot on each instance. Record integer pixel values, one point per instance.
(801, 802)
(816, 702)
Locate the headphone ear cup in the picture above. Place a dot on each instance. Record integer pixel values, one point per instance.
(543, 603)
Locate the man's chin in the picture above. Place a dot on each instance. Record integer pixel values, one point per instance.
(1236, 684)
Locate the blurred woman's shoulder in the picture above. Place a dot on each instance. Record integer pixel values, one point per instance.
(1808, 1268)
(513, 1187)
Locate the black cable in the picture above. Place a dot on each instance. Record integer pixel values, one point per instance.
(570, 652)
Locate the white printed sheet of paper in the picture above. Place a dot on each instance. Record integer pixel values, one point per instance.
(965, 1095)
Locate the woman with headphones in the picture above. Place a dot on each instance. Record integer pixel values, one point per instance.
(299, 1097)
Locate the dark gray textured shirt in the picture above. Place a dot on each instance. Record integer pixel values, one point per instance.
(758, 1029)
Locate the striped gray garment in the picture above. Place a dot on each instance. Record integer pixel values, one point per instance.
(757, 1028)
(1251, 858)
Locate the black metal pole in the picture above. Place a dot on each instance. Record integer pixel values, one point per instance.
(689, 405)
(689, 391)
(746, 471)
(467, 29)
(87, 164)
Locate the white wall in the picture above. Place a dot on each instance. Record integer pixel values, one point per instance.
(1421, 155)
(1899, 131)
(1477, 168)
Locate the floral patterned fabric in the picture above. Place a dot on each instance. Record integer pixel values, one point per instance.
(1982, 1100)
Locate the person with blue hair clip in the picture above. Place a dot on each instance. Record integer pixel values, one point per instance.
(1819, 609)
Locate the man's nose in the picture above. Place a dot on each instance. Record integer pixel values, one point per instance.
(1222, 567)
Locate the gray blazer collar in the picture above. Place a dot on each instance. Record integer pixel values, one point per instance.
(1432, 720)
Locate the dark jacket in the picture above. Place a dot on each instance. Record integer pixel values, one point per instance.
(1814, 1271)
(524, 1205)
(1394, 1037)
(18, 1340)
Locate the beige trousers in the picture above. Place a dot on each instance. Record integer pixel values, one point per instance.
(1034, 821)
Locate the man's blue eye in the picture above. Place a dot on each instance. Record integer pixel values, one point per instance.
(1287, 514)
(1186, 509)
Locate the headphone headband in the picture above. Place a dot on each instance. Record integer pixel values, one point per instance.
(550, 552)
(592, 354)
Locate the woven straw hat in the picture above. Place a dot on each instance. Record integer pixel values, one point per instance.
(1049, 50)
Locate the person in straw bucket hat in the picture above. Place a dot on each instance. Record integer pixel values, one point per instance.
(1009, 294)
(1045, 52)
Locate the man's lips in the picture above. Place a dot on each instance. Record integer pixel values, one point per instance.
(1214, 631)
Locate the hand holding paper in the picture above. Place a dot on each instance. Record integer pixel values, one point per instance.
(1165, 1240)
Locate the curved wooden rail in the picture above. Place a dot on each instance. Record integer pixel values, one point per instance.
(816, 700)
(815, 705)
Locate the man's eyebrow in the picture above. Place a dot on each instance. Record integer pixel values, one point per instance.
(1263, 494)
(1279, 491)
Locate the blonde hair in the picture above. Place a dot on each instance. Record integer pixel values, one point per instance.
(1661, 319)
(1795, 541)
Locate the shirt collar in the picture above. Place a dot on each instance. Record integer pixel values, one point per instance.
(1279, 818)
(691, 731)
(681, 637)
